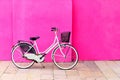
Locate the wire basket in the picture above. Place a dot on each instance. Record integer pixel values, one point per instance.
(65, 36)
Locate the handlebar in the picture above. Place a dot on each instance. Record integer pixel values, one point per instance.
(54, 29)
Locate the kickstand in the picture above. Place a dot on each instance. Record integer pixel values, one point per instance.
(42, 65)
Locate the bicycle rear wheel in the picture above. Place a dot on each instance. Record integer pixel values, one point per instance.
(18, 58)
(69, 60)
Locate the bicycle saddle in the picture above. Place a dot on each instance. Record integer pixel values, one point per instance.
(34, 38)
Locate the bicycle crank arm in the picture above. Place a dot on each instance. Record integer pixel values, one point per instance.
(34, 57)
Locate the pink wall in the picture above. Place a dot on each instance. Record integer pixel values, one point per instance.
(96, 29)
(5, 29)
(31, 18)
(95, 25)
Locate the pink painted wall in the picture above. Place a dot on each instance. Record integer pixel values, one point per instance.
(95, 25)
(96, 29)
(31, 18)
(5, 29)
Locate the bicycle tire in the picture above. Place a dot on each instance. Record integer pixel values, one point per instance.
(18, 63)
(67, 62)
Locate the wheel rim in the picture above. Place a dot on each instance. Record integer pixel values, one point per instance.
(67, 62)
(19, 60)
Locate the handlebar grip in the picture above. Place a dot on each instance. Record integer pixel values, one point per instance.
(54, 29)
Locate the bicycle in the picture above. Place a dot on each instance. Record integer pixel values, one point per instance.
(64, 55)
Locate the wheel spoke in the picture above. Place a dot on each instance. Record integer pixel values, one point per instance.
(58, 55)
(19, 51)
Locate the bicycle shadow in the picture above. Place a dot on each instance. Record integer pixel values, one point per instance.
(43, 66)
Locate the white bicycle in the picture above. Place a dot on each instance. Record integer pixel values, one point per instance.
(64, 55)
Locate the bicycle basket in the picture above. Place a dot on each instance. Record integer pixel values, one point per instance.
(65, 36)
(25, 47)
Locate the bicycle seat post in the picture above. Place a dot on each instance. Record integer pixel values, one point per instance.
(35, 44)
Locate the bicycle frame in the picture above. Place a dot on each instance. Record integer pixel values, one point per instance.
(52, 46)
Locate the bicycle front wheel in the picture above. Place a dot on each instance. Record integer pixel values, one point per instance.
(18, 58)
(66, 59)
